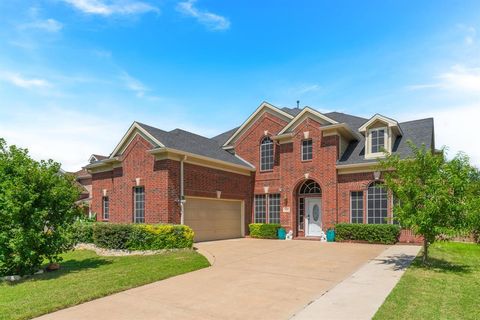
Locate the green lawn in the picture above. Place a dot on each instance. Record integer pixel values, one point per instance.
(448, 289)
(85, 276)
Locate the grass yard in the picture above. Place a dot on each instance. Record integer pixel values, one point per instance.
(448, 289)
(85, 276)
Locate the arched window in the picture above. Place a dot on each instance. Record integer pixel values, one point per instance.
(266, 154)
(310, 187)
(377, 203)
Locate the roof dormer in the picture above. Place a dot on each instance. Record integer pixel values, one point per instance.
(380, 134)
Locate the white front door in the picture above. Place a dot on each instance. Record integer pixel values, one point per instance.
(314, 216)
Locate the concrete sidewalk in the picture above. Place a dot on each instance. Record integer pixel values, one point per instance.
(360, 295)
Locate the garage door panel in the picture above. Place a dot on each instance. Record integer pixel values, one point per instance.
(214, 219)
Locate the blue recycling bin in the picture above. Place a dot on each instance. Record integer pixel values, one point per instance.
(282, 234)
(330, 235)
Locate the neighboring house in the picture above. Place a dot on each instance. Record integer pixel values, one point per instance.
(298, 167)
(84, 181)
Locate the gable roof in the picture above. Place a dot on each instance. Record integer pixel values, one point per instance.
(418, 131)
(193, 143)
(305, 112)
(264, 106)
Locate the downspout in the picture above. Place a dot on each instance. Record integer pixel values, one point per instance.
(182, 192)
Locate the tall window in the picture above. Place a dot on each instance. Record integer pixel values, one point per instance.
(377, 140)
(105, 208)
(356, 207)
(266, 154)
(139, 204)
(267, 208)
(377, 199)
(274, 208)
(307, 147)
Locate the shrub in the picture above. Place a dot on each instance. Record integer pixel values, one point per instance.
(142, 236)
(37, 208)
(264, 230)
(372, 233)
(82, 231)
(111, 236)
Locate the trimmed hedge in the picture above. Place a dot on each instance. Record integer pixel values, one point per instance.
(372, 233)
(82, 231)
(142, 236)
(264, 230)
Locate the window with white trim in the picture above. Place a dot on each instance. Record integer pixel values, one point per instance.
(266, 154)
(377, 203)
(377, 140)
(307, 149)
(356, 207)
(274, 208)
(267, 208)
(139, 205)
(105, 208)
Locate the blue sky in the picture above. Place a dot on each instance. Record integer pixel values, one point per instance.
(74, 74)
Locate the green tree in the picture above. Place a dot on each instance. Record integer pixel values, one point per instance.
(37, 205)
(434, 195)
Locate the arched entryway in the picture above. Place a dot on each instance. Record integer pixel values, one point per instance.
(309, 208)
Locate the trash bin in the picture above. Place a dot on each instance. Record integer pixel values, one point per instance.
(330, 235)
(281, 234)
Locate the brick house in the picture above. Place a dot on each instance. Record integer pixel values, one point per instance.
(298, 167)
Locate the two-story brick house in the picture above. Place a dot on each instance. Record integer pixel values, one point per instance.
(304, 169)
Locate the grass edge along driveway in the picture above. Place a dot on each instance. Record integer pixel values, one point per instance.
(447, 289)
(85, 276)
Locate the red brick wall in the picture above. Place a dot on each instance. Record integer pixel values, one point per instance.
(289, 169)
(161, 180)
(354, 182)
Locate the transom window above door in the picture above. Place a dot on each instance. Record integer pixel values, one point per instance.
(266, 154)
(310, 187)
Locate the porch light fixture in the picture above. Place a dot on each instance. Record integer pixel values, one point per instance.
(265, 189)
(376, 175)
(219, 194)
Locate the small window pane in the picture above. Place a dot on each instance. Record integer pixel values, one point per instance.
(274, 208)
(378, 140)
(356, 200)
(307, 150)
(139, 205)
(301, 213)
(106, 208)
(266, 154)
(260, 214)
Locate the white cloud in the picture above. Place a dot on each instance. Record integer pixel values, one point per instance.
(23, 82)
(211, 20)
(49, 25)
(107, 8)
(459, 79)
(308, 88)
(133, 84)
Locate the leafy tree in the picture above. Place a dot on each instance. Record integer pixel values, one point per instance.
(434, 195)
(37, 204)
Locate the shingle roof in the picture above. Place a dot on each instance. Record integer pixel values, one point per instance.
(418, 131)
(99, 157)
(193, 143)
(223, 137)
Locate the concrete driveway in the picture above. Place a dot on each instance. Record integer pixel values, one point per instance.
(249, 279)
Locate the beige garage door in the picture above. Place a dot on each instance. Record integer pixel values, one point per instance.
(214, 219)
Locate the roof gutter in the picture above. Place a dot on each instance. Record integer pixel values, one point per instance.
(102, 163)
(193, 155)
